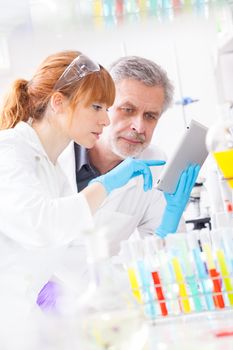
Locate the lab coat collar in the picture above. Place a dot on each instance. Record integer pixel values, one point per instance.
(29, 135)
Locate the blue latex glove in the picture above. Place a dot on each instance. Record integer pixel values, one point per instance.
(126, 170)
(177, 201)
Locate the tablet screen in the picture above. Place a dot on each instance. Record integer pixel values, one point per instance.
(190, 150)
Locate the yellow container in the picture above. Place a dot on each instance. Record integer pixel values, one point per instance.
(224, 160)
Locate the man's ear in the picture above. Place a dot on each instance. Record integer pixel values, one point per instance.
(58, 102)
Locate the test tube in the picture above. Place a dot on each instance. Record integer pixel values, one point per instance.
(131, 271)
(168, 278)
(227, 241)
(189, 271)
(173, 245)
(153, 264)
(217, 237)
(138, 254)
(193, 243)
(214, 274)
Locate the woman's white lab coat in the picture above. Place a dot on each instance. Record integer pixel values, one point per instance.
(37, 217)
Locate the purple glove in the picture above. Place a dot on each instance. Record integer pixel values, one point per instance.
(48, 296)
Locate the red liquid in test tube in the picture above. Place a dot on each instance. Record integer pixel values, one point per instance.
(159, 293)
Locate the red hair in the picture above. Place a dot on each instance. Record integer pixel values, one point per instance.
(30, 98)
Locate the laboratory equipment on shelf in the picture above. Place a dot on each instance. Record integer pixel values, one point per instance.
(219, 141)
(197, 211)
(109, 317)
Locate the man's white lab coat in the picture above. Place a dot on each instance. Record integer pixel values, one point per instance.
(128, 208)
(125, 212)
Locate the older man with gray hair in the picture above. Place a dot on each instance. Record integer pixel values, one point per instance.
(143, 94)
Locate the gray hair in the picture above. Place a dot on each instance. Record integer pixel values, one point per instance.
(145, 71)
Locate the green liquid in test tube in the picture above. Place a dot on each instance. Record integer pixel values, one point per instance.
(219, 238)
(194, 246)
(179, 242)
(225, 275)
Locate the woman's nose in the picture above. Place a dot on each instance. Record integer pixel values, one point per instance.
(105, 119)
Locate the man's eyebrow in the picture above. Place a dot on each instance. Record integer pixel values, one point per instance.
(128, 103)
(153, 112)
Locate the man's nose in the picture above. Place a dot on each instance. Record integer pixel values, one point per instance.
(138, 124)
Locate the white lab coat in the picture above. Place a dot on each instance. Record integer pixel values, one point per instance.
(125, 212)
(37, 217)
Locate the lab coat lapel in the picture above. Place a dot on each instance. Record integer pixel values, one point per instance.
(67, 162)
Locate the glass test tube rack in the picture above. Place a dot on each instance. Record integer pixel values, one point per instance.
(185, 273)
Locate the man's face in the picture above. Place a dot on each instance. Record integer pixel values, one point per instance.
(133, 117)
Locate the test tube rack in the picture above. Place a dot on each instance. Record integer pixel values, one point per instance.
(183, 274)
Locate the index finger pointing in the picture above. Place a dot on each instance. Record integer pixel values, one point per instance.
(154, 162)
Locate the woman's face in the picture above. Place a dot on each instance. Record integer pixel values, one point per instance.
(87, 123)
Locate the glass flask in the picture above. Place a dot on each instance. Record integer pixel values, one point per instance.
(109, 318)
(219, 141)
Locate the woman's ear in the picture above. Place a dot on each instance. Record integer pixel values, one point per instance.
(58, 102)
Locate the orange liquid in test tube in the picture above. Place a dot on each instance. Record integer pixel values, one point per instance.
(214, 274)
(159, 293)
(218, 298)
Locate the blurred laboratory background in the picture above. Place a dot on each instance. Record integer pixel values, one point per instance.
(191, 39)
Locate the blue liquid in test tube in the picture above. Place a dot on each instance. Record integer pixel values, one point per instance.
(145, 277)
(203, 276)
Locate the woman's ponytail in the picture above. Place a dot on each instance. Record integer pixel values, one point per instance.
(16, 105)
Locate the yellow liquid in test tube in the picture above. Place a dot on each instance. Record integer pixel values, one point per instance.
(134, 284)
(182, 288)
(225, 275)
(209, 257)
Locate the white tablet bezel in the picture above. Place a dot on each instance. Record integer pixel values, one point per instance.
(190, 150)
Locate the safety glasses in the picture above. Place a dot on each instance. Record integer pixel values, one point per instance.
(80, 67)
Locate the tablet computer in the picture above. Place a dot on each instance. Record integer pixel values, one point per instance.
(190, 150)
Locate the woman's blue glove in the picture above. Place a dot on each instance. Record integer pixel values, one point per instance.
(47, 297)
(177, 201)
(126, 170)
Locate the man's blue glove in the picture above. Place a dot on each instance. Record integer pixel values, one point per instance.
(126, 170)
(177, 201)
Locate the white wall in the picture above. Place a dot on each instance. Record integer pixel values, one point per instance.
(185, 47)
